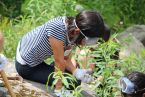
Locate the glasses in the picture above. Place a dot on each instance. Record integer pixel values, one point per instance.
(128, 87)
(80, 30)
(88, 41)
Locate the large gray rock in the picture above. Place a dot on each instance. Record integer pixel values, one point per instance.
(10, 67)
(1, 83)
(27, 87)
(138, 31)
(87, 91)
(132, 40)
(3, 92)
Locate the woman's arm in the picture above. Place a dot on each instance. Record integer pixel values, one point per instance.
(69, 64)
(58, 52)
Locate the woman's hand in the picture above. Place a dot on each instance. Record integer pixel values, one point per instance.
(84, 75)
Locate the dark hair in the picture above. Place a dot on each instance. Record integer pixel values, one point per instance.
(70, 26)
(92, 24)
(138, 79)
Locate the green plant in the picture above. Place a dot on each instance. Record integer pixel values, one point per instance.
(64, 77)
(66, 84)
(118, 14)
(59, 75)
(107, 9)
(13, 31)
(130, 10)
(46, 9)
(10, 8)
(106, 71)
(77, 91)
(133, 62)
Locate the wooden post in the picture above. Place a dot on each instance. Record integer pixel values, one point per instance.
(4, 77)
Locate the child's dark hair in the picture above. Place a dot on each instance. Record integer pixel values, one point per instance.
(138, 79)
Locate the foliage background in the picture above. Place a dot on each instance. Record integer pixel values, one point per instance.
(17, 17)
(20, 16)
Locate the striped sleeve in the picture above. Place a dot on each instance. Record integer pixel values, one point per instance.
(56, 31)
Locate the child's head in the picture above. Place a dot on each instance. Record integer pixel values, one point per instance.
(1, 41)
(133, 85)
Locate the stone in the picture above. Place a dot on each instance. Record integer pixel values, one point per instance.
(79, 8)
(8, 96)
(87, 91)
(1, 83)
(3, 92)
(29, 88)
(138, 31)
(10, 67)
(131, 40)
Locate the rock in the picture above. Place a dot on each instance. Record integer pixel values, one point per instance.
(131, 40)
(3, 92)
(1, 83)
(30, 89)
(27, 88)
(10, 67)
(79, 8)
(8, 96)
(138, 31)
(87, 91)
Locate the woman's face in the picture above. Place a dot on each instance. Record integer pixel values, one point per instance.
(83, 42)
(74, 35)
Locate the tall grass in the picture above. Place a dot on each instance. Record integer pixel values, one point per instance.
(36, 12)
(13, 31)
(109, 68)
(118, 14)
(42, 10)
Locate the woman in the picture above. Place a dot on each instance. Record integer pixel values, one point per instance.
(56, 38)
(133, 85)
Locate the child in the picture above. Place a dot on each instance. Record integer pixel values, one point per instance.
(133, 85)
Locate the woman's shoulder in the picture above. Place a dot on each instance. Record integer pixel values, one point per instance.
(57, 22)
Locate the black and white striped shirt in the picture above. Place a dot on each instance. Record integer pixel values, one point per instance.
(35, 47)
